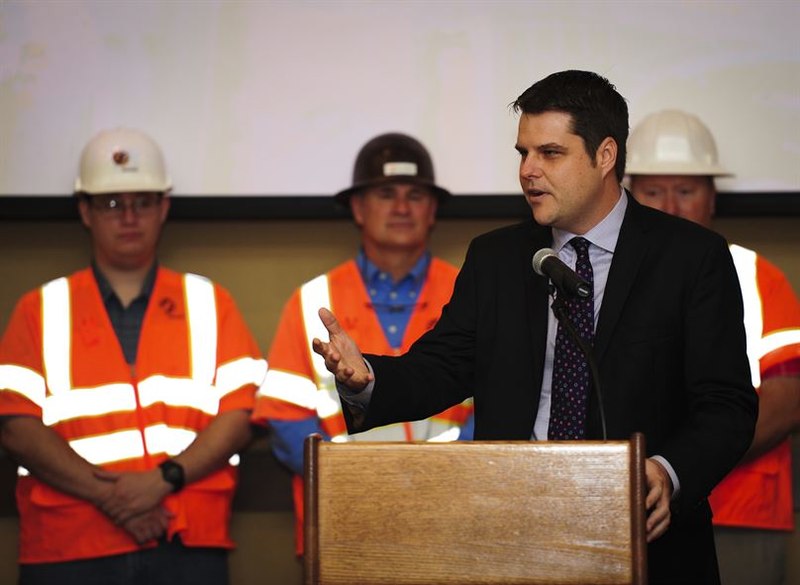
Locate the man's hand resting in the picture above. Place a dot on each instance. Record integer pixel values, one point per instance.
(659, 494)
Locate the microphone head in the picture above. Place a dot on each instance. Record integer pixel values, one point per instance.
(539, 257)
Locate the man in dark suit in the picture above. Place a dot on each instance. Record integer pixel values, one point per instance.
(666, 335)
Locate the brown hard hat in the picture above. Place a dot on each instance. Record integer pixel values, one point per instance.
(392, 157)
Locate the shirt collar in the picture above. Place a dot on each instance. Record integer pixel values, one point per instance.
(370, 272)
(107, 293)
(605, 234)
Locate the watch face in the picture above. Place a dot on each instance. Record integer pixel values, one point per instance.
(172, 473)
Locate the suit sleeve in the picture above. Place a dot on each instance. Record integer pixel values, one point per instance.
(722, 405)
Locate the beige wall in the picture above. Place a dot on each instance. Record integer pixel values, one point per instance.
(261, 262)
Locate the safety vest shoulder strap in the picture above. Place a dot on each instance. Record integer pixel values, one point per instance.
(313, 295)
(435, 293)
(745, 262)
(444, 275)
(56, 334)
(201, 310)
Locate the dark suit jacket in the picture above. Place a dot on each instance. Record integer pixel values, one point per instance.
(670, 348)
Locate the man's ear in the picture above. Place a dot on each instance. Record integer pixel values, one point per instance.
(357, 209)
(432, 213)
(83, 210)
(606, 157)
(166, 201)
(712, 186)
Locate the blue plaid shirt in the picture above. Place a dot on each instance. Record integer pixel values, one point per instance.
(393, 302)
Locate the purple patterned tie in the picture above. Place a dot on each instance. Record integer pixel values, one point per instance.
(570, 388)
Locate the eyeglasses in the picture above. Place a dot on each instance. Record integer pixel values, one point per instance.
(116, 204)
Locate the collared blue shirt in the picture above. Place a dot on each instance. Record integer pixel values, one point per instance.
(126, 321)
(393, 302)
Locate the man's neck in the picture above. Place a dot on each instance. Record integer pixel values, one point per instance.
(126, 283)
(397, 263)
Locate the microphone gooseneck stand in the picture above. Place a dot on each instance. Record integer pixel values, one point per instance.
(560, 311)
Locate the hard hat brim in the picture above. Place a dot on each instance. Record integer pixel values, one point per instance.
(662, 168)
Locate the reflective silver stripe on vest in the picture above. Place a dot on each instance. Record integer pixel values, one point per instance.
(290, 388)
(82, 402)
(201, 313)
(240, 372)
(56, 335)
(745, 262)
(23, 381)
(121, 445)
(313, 295)
(178, 392)
(779, 339)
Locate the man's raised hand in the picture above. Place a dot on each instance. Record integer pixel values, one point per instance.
(341, 354)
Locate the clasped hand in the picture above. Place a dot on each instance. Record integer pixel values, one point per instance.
(134, 502)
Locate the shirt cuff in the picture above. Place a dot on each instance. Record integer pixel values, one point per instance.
(676, 485)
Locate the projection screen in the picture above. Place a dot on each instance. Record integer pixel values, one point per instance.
(275, 97)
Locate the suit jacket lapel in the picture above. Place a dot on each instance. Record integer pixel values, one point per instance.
(628, 256)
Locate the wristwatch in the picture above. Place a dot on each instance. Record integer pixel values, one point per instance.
(172, 472)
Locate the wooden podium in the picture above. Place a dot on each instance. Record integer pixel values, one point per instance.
(475, 512)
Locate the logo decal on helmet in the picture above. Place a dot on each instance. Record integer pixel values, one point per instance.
(394, 169)
(120, 157)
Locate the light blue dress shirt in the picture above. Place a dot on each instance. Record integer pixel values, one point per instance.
(603, 239)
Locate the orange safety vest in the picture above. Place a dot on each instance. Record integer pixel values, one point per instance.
(60, 360)
(758, 494)
(298, 385)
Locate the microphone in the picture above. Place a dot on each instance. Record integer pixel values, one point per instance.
(547, 263)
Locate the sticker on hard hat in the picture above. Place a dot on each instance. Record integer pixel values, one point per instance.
(126, 160)
(393, 169)
(120, 157)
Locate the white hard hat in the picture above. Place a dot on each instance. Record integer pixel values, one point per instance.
(672, 142)
(122, 160)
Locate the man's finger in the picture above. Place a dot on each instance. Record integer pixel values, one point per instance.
(657, 525)
(330, 321)
(653, 496)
